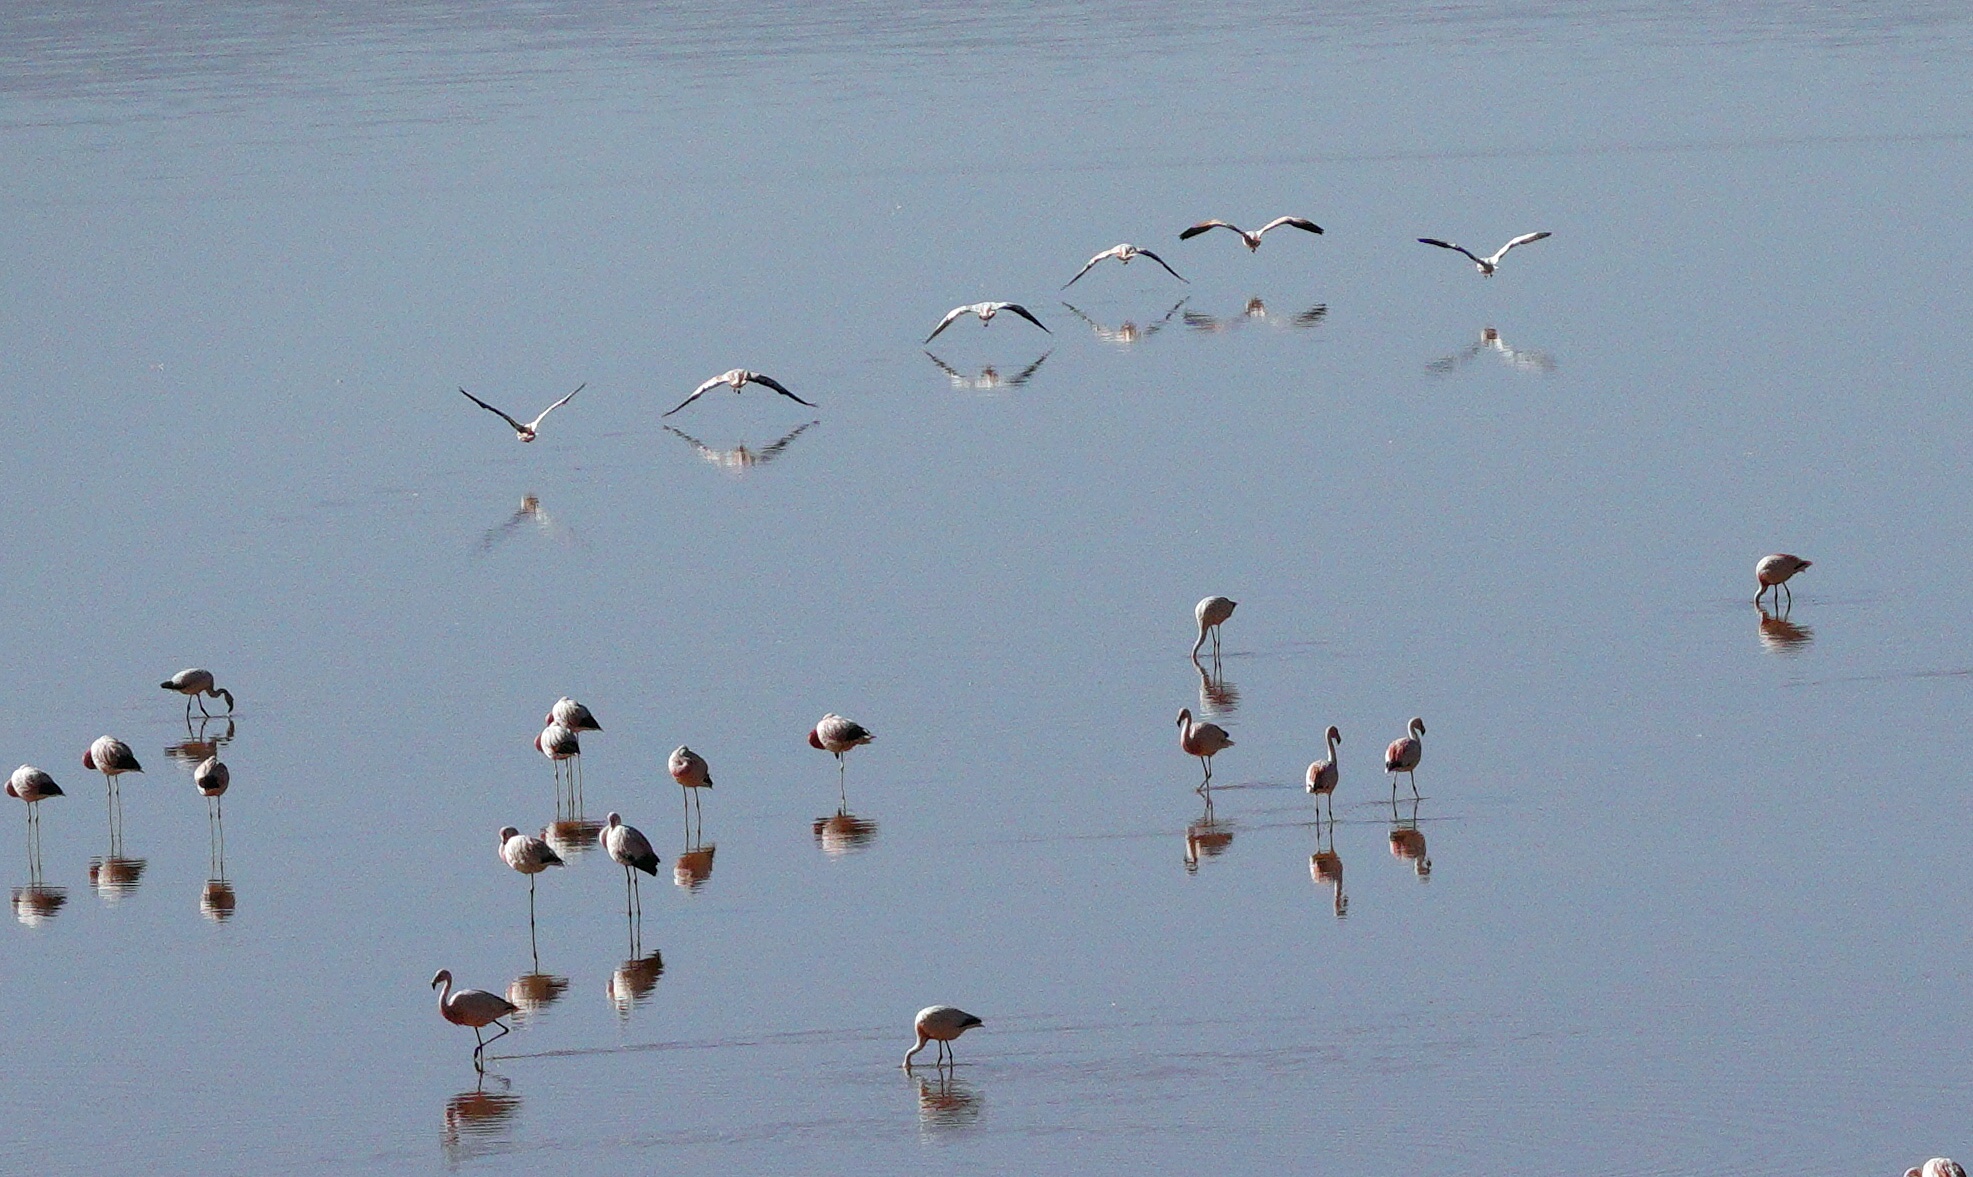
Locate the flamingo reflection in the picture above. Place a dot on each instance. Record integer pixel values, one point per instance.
(531, 993)
(114, 877)
(989, 377)
(844, 833)
(217, 900)
(1782, 636)
(694, 865)
(945, 1104)
(1520, 359)
(572, 837)
(1206, 838)
(740, 458)
(529, 512)
(631, 984)
(199, 744)
(37, 903)
(1217, 696)
(1408, 841)
(112, 757)
(1127, 332)
(1256, 312)
(479, 1122)
(1325, 868)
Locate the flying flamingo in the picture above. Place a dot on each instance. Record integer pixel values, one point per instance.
(572, 715)
(529, 431)
(1123, 253)
(1322, 775)
(192, 683)
(940, 1024)
(691, 771)
(836, 735)
(1937, 1166)
(475, 1008)
(1773, 572)
(1205, 741)
(1487, 265)
(1253, 239)
(629, 849)
(1209, 613)
(737, 379)
(111, 757)
(530, 856)
(986, 311)
(1403, 756)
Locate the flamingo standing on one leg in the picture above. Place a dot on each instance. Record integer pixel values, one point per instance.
(560, 744)
(631, 850)
(1403, 756)
(1773, 572)
(32, 785)
(572, 715)
(940, 1024)
(1209, 613)
(1322, 775)
(194, 682)
(475, 1008)
(530, 856)
(1205, 740)
(836, 735)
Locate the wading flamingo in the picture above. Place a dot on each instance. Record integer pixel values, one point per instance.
(475, 1008)
(529, 431)
(560, 744)
(1937, 1166)
(530, 856)
(940, 1024)
(572, 715)
(1403, 756)
(192, 683)
(986, 311)
(691, 772)
(212, 778)
(1205, 740)
(631, 850)
(836, 735)
(1487, 265)
(1210, 613)
(1253, 239)
(111, 757)
(32, 785)
(1773, 572)
(1322, 775)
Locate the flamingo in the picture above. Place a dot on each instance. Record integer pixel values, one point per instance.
(1487, 265)
(572, 715)
(212, 778)
(737, 378)
(1209, 613)
(32, 785)
(1937, 1167)
(1205, 741)
(631, 850)
(1322, 775)
(1403, 756)
(558, 744)
(836, 735)
(1123, 253)
(475, 1008)
(691, 771)
(986, 311)
(532, 429)
(940, 1024)
(1253, 239)
(1774, 572)
(530, 856)
(193, 682)
(111, 757)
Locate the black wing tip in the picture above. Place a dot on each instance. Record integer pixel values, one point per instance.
(1194, 231)
(1435, 241)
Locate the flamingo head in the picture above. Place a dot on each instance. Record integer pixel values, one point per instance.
(537, 745)
(89, 759)
(1253, 242)
(814, 738)
(1417, 726)
(443, 976)
(507, 832)
(1184, 716)
(1332, 735)
(525, 434)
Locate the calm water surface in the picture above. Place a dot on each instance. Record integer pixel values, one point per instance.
(1695, 896)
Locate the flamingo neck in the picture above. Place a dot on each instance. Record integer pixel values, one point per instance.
(915, 1049)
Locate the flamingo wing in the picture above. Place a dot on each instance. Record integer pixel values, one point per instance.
(1089, 265)
(518, 427)
(1174, 273)
(1204, 226)
(1022, 311)
(1302, 223)
(950, 315)
(774, 384)
(696, 394)
(1450, 245)
(536, 423)
(1523, 239)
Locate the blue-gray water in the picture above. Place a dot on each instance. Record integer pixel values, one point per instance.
(1696, 899)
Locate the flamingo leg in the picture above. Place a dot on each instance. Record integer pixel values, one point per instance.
(1414, 785)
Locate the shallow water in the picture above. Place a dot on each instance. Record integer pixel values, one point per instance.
(1693, 898)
